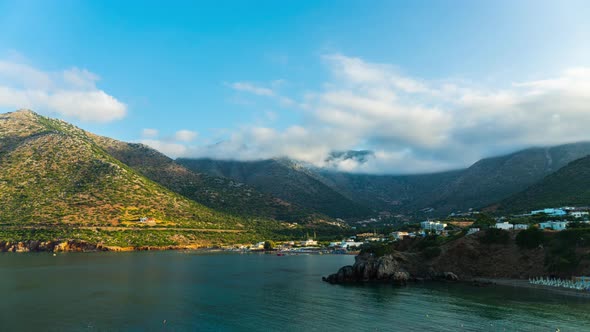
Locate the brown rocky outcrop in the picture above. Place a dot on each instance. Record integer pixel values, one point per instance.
(397, 268)
(466, 258)
(49, 246)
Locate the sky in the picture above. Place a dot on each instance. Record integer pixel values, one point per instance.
(425, 85)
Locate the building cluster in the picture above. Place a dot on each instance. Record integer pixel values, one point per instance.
(566, 211)
(433, 226)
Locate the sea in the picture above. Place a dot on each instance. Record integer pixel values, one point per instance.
(195, 291)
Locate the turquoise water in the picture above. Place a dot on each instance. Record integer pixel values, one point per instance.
(178, 291)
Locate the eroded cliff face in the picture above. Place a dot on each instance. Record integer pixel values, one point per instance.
(465, 259)
(398, 268)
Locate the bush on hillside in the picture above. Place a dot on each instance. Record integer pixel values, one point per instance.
(530, 238)
(377, 248)
(495, 236)
(431, 252)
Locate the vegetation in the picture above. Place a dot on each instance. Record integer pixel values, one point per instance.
(56, 176)
(269, 245)
(377, 249)
(218, 193)
(286, 180)
(572, 183)
(483, 221)
(564, 249)
(347, 195)
(431, 252)
(495, 236)
(530, 238)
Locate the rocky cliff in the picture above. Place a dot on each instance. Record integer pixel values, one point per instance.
(50, 246)
(562, 254)
(398, 268)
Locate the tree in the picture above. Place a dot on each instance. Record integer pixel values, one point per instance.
(269, 245)
(483, 221)
(530, 238)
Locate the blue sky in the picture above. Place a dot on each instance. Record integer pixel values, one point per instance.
(427, 85)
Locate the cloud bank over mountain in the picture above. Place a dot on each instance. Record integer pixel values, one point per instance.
(412, 125)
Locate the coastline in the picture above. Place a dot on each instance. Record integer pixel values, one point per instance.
(521, 283)
(83, 246)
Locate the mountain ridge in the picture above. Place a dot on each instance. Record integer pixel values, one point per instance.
(487, 181)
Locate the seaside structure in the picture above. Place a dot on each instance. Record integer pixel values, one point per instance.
(257, 246)
(309, 242)
(521, 226)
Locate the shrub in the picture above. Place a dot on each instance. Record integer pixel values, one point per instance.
(495, 236)
(377, 248)
(431, 252)
(269, 245)
(530, 238)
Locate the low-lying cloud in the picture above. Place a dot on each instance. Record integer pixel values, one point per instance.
(413, 125)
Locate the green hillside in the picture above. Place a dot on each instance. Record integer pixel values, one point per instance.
(52, 172)
(284, 179)
(342, 194)
(568, 186)
(218, 193)
(57, 180)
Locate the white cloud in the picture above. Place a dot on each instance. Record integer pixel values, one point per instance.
(185, 135)
(171, 149)
(415, 125)
(252, 88)
(71, 92)
(149, 133)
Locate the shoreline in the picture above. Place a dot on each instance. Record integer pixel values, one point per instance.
(83, 246)
(521, 283)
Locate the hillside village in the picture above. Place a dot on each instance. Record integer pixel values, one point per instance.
(457, 224)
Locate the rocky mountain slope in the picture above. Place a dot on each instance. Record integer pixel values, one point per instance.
(285, 179)
(53, 172)
(484, 183)
(570, 185)
(218, 193)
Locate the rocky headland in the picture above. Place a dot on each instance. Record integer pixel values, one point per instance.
(488, 254)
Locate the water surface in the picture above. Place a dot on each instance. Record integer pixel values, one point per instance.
(177, 291)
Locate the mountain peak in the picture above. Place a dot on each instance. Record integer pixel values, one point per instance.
(22, 114)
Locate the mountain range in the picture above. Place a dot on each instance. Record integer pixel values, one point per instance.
(54, 173)
(483, 184)
(59, 181)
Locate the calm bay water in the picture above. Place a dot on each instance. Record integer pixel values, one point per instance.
(177, 291)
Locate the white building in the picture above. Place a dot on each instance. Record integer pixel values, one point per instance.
(521, 226)
(554, 225)
(579, 214)
(399, 235)
(346, 244)
(259, 245)
(376, 239)
(309, 242)
(436, 226)
(504, 225)
(473, 230)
